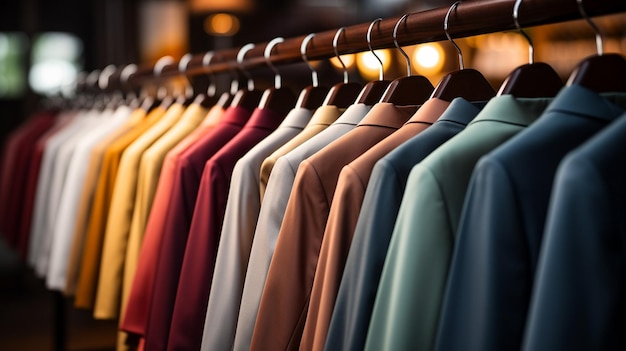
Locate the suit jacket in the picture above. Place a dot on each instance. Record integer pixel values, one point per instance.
(110, 277)
(412, 283)
(166, 234)
(212, 118)
(49, 190)
(18, 151)
(200, 252)
(94, 208)
(240, 218)
(500, 236)
(61, 170)
(291, 271)
(357, 290)
(62, 232)
(120, 210)
(43, 181)
(272, 211)
(323, 117)
(343, 216)
(578, 300)
(62, 121)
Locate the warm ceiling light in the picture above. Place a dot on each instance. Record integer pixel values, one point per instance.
(222, 24)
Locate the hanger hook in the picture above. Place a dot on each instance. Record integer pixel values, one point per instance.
(531, 47)
(583, 13)
(103, 77)
(267, 54)
(240, 55)
(206, 63)
(158, 70)
(445, 29)
(303, 46)
(182, 68)
(127, 71)
(161, 63)
(395, 42)
(335, 40)
(369, 45)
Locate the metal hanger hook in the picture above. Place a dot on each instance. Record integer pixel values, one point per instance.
(395, 42)
(240, 56)
(267, 54)
(127, 71)
(161, 63)
(369, 45)
(335, 40)
(158, 69)
(445, 29)
(182, 68)
(303, 46)
(583, 13)
(206, 62)
(105, 74)
(531, 47)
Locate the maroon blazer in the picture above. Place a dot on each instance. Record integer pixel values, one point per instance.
(197, 270)
(15, 168)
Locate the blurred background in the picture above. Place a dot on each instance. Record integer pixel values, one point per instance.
(45, 44)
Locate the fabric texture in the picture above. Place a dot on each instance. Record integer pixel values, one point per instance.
(514, 181)
(63, 120)
(68, 203)
(163, 245)
(204, 233)
(578, 300)
(273, 209)
(411, 287)
(357, 290)
(110, 277)
(290, 275)
(343, 216)
(118, 219)
(240, 218)
(94, 208)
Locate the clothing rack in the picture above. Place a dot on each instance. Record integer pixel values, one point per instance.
(470, 18)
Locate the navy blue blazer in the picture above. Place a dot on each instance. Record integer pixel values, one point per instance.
(502, 223)
(579, 297)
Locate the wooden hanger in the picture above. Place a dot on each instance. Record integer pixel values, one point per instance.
(248, 97)
(312, 96)
(409, 90)
(343, 94)
(601, 72)
(277, 98)
(534, 79)
(466, 82)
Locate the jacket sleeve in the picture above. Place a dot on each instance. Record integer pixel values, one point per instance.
(489, 282)
(578, 300)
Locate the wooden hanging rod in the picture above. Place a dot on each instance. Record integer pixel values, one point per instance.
(469, 19)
